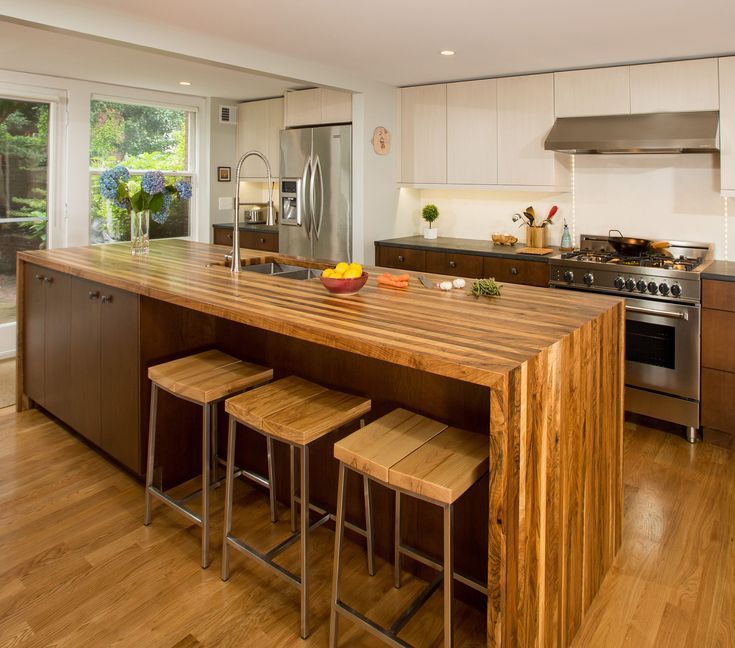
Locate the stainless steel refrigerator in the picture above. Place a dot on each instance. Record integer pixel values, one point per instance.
(316, 193)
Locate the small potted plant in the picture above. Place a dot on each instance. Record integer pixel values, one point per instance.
(430, 213)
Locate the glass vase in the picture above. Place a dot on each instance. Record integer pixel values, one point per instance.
(139, 232)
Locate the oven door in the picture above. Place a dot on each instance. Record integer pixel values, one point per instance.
(662, 347)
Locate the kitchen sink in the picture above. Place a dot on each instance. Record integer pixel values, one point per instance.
(283, 270)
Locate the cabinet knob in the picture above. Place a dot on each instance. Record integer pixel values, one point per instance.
(48, 279)
(106, 299)
(94, 294)
(452, 264)
(400, 258)
(38, 277)
(262, 240)
(229, 236)
(514, 270)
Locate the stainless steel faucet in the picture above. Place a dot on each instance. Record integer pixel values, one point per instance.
(269, 219)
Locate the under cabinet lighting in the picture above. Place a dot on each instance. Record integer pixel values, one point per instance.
(447, 52)
(185, 83)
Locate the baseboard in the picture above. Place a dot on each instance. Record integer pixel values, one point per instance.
(4, 355)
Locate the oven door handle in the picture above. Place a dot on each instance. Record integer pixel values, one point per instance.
(658, 313)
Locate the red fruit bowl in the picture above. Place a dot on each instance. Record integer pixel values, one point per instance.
(344, 287)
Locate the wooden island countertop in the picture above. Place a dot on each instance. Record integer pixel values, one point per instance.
(553, 364)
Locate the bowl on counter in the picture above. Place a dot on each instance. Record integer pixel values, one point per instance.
(344, 287)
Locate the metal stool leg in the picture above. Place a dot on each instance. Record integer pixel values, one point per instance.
(369, 533)
(229, 484)
(214, 451)
(292, 452)
(338, 545)
(448, 576)
(151, 453)
(271, 480)
(304, 541)
(397, 544)
(206, 459)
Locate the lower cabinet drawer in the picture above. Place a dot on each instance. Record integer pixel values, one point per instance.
(718, 339)
(402, 258)
(222, 236)
(718, 404)
(718, 294)
(529, 273)
(458, 265)
(266, 241)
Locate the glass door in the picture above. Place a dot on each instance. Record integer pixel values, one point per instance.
(24, 185)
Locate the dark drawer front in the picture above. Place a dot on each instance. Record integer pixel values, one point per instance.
(718, 404)
(222, 236)
(718, 339)
(266, 241)
(718, 294)
(458, 265)
(402, 258)
(529, 273)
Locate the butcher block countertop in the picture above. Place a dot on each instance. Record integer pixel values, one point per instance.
(450, 333)
(551, 362)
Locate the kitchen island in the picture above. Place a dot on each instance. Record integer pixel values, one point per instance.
(539, 371)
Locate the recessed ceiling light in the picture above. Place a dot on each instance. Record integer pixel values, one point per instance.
(188, 83)
(447, 52)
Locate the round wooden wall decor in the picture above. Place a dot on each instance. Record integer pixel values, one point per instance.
(381, 140)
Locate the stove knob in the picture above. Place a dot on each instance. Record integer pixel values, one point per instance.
(588, 278)
(630, 284)
(652, 287)
(663, 288)
(619, 283)
(676, 290)
(569, 276)
(641, 285)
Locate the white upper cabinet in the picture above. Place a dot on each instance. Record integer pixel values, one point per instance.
(587, 93)
(525, 116)
(318, 106)
(259, 125)
(727, 123)
(679, 86)
(424, 134)
(472, 132)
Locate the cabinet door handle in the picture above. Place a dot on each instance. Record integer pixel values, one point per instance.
(94, 294)
(106, 299)
(400, 258)
(229, 237)
(514, 270)
(38, 277)
(262, 240)
(452, 264)
(48, 279)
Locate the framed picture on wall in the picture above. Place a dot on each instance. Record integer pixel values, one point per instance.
(224, 174)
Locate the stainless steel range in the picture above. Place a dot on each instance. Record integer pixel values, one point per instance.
(663, 302)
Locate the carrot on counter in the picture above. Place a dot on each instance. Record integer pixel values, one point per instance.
(393, 281)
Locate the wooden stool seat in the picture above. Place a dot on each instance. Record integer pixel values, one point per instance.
(296, 411)
(376, 448)
(444, 467)
(208, 376)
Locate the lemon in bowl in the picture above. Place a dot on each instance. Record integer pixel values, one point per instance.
(344, 278)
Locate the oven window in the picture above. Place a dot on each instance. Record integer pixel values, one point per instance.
(651, 344)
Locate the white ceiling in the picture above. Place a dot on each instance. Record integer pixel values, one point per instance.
(40, 51)
(397, 42)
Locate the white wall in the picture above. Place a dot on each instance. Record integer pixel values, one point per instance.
(222, 152)
(651, 196)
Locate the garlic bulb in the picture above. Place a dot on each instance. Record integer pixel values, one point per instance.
(445, 285)
(458, 283)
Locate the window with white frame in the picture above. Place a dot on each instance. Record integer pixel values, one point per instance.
(141, 137)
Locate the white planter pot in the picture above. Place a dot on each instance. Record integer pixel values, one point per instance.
(431, 232)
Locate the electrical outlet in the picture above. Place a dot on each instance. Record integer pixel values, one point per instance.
(226, 203)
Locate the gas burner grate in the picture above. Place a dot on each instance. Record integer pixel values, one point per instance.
(648, 260)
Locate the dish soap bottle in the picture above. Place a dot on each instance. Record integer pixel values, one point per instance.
(566, 239)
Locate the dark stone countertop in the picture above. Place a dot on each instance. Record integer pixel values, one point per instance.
(467, 246)
(720, 271)
(249, 227)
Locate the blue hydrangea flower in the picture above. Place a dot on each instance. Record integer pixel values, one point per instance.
(153, 182)
(110, 180)
(183, 188)
(161, 216)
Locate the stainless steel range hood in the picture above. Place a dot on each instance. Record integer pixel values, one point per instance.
(690, 132)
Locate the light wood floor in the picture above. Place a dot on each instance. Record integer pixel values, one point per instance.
(78, 568)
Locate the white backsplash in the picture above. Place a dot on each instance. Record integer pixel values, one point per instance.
(651, 196)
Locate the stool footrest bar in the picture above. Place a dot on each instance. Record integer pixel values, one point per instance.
(421, 557)
(370, 625)
(415, 605)
(264, 560)
(175, 504)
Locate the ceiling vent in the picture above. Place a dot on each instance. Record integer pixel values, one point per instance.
(227, 115)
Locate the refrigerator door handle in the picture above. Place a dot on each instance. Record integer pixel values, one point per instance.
(303, 198)
(317, 171)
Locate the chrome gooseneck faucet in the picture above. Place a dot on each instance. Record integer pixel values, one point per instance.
(269, 220)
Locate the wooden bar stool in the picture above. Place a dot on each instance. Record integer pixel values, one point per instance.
(205, 379)
(421, 458)
(298, 413)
